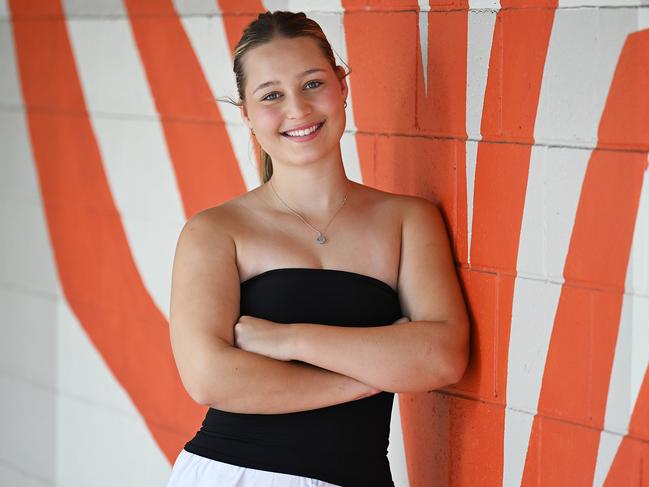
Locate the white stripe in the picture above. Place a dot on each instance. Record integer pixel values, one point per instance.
(471, 163)
(201, 8)
(553, 188)
(643, 18)
(518, 427)
(10, 90)
(424, 8)
(582, 56)
(93, 406)
(608, 446)
(4, 11)
(209, 41)
(600, 3)
(94, 8)
(307, 6)
(480, 37)
(132, 146)
(583, 53)
(396, 447)
(484, 4)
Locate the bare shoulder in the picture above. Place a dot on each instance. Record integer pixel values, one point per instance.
(204, 230)
(217, 224)
(384, 200)
(414, 211)
(421, 219)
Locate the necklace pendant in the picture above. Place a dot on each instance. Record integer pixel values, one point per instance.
(320, 239)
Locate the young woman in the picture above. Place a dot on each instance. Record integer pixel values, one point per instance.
(299, 308)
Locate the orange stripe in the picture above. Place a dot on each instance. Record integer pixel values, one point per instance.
(96, 269)
(631, 464)
(582, 345)
(518, 54)
(237, 14)
(206, 168)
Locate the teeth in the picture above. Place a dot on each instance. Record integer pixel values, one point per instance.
(302, 133)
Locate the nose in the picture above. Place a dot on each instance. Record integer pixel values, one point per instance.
(297, 107)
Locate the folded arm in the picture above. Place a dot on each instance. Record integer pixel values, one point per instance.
(430, 351)
(412, 357)
(203, 311)
(245, 382)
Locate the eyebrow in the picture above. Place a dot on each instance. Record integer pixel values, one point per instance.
(275, 82)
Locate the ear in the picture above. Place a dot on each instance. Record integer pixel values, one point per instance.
(340, 71)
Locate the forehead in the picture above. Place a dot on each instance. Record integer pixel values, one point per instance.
(281, 58)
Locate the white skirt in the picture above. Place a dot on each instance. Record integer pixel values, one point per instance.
(191, 470)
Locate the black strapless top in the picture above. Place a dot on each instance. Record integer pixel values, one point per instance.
(344, 444)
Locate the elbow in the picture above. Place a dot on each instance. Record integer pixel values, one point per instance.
(457, 368)
(202, 389)
(456, 358)
(456, 364)
(204, 377)
(201, 398)
(207, 397)
(450, 370)
(198, 393)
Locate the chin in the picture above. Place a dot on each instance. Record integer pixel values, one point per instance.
(308, 157)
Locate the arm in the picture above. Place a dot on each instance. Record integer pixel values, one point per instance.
(251, 383)
(203, 310)
(393, 358)
(429, 352)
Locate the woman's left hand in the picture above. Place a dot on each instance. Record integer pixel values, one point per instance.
(264, 337)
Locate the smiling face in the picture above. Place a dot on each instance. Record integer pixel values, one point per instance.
(292, 90)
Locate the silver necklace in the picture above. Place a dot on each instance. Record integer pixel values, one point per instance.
(320, 239)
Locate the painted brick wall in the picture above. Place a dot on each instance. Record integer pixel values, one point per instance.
(526, 121)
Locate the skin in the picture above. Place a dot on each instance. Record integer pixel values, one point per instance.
(243, 363)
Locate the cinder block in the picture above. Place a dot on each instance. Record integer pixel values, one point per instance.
(382, 55)
(26, 260)
(442, 75)
(10, 91)
(444, 435)
(28, 350)
(419, 166)
(563, 175)
(109, 67)
(480, 292)
(29, 427)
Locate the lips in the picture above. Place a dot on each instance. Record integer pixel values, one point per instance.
(303, 131)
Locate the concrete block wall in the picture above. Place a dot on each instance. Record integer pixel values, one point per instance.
(526, 121)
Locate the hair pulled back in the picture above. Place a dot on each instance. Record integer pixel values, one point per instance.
(266, 27)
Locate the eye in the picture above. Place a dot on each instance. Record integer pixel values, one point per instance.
(269, 96)
(313, 84)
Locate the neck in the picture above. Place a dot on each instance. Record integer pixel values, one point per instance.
(313, 189)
